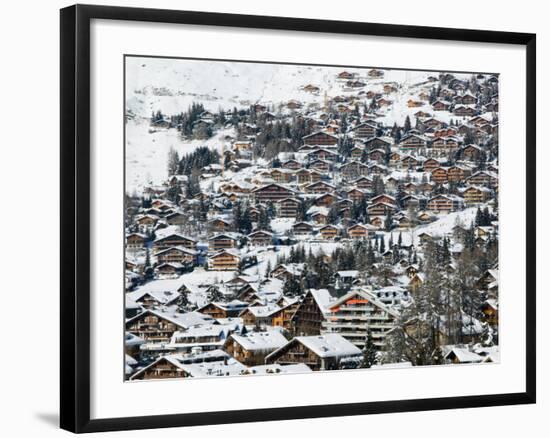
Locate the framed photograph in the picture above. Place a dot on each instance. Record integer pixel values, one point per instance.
(269, 218)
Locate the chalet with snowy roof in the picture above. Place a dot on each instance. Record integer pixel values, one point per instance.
(280, 175)
(302, 229)
(320, 138)
(388, 199)
(146, 220)
(329, 231)
(310, 88)
(158, 325)
(377, 169)
(383, 143)
(272, 192)
(355, 194)
(471, 152)
(325, 200)
(251, 348)
(323, 352)
(319, 187)
(135, 241)
(457, 173)
(215, 363)
(291, 164)
(180, 255)
(174, 240)
(464, 111)
(224, 260)
(260, 238)
(431, 164)
(358, 231)
(267, 315)
(152, 299)
(363, 183)
(445, 203)
(444, 145)
(413, 201)
(203, 338)
(412, 142)
(483, 178)
(219, 225)
(288, 207)
(322, 154)
(220, 310)
(409, 162)
(320, 165)
(381, 209)
(377, 155)
(365, 130)
(474, 195)
(222, 241)
(441, 105)
(432, 123)
(439, 175)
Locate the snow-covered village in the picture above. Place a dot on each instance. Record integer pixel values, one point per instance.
(291, 219)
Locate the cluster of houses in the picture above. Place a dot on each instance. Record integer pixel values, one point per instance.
(205, 289)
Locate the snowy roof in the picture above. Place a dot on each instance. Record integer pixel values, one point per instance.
(323, 298)
(260, 341)
(463, 355)
(279, 369)
(183, 320)
(329, 345)
(163, 297)
(264, 311)
(163, 285)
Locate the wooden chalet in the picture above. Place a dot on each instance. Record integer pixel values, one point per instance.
(325, 200)
(320, 138)
(365, 130)
(174, 240)
(288, 207)
(322, 352)
(180, 255)
(439, 175)
(224, 260)
(302, 229)
(474, 195)
(135, 241)
(358, 231)
(412, 142)
(251, 348)
(329, 232)
(272, 192)
(444, 203)
(260, 238)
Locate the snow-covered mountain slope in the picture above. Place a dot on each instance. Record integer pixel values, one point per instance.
(147, 152)
(172, 84)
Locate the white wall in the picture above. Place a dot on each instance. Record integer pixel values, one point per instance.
(29, 176)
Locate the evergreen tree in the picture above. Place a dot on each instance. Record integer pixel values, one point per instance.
(407, 125)
(369, 352)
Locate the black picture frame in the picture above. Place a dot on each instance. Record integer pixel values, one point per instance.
(75, 217)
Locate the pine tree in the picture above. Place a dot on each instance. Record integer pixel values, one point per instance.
(369, 352)
(173, 162)
(407, 125)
